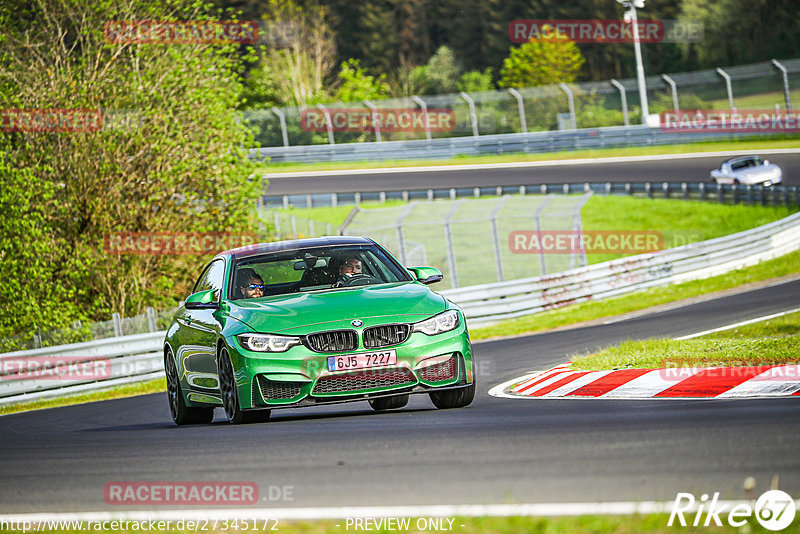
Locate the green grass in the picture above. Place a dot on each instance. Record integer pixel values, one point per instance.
(759, 101)
(753, 145)
(606, 308)
(680, 222)
(143, 388)
(590, 524)
(775, 341)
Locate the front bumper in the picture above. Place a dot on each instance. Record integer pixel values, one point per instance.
(300, 377)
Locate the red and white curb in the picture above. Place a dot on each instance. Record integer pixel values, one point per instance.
(677, 382)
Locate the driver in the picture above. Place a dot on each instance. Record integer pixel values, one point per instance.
(351, 266)
(249, 284)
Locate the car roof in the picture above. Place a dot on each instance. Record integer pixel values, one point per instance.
(740, 158)
(295, 244)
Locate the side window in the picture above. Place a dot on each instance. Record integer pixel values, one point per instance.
(212, 278)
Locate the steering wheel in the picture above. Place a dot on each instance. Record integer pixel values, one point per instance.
(356, 280)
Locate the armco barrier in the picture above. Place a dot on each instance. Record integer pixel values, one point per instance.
(139, 357)
(533, 142)
(485, 304)
(50, 371)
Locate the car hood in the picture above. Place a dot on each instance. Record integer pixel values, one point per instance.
(302, 313)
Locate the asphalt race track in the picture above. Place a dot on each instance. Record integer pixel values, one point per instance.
(494, 451)
(665, 170)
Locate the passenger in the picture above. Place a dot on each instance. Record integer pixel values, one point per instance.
(248, 284)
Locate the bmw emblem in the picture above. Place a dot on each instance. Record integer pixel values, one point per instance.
(356, 323)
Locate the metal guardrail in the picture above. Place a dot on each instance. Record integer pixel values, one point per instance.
(531, 142)
(46, 372)
(724, 194)
(79, 367)
(488, 303)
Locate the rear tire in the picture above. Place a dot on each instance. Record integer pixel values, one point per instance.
(453, 398)
(230, 395)
(388, 403)
(182, 414)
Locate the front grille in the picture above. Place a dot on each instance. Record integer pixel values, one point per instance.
(440, 371)
(274, 390)
(364, 380)
(386, 335)
(335, 341)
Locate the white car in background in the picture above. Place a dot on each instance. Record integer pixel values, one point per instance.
(747, 170)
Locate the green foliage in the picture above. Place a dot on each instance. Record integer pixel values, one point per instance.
(541, 62)
(169, 157)
(475, 80)
(357, 85)
(741, 31)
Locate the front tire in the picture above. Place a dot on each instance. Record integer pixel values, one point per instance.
(182, 414)
(453, 398)
(388, 403)
(230, 395)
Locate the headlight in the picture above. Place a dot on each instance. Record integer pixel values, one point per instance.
(267, 342)
(437, 324)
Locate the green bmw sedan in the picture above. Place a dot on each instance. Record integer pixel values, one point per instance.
(312, 322)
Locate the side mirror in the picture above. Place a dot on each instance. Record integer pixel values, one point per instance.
(426, 275)
(202, 300)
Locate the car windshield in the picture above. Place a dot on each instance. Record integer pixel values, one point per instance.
(749, 162)
(313, 269)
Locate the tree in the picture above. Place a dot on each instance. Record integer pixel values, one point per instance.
(476, 80)
(166, 152)
(541, 62)
(357, 85)
(297, 68)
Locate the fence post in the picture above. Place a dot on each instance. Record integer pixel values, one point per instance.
(328, 123)
(334, 200)
(37, 338)
(376, 120)
(537, 222)
(151, 319)
(523, 123)
(473, 116)
(674, 87)
(498, 259)
(294, 225)
(448, 237)
(571, 99)
(728, 85)
(117, 320)
(401, 241)
(785, 85)
(282, 118)
(624, 99)
(421, 103)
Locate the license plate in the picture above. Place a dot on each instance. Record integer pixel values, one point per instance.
(347, 362)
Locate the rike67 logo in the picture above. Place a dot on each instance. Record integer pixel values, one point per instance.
(774, 510)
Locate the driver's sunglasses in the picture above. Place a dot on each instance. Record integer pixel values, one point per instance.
(254, 286)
